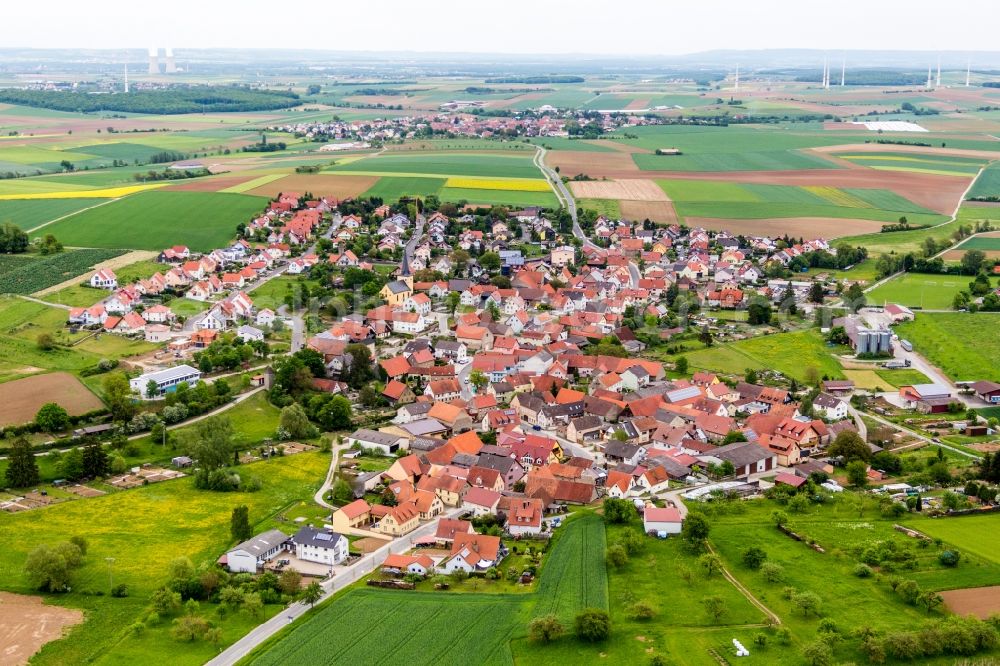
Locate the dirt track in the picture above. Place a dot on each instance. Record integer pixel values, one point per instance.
(26, 624)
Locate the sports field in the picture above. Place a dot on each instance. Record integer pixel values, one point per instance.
(154, 220)
(932, 292)
(964, 345)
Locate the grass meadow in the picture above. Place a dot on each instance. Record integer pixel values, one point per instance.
(963, 345)
(144, 529)
(792, 354)
(154, 220)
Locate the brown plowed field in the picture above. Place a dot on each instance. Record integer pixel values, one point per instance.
(658, 211)
(956, 255)
(22, 398)
(638, 104)
(631, 189)
(811, 227)
(209, 184)
(321, 185)
(980, 601)
(572, 162)
(26, 624)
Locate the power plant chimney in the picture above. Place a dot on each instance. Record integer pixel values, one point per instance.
(843, 72)
(968, 72)
(930, 81)
(154, 60)
(737, 85)
(171, 65)
(126, 78)
(939, 72)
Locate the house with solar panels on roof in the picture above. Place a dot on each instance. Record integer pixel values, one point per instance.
(322, 546)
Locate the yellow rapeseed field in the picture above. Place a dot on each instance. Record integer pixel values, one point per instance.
(837, 196)
(106, 193)
(509, 184)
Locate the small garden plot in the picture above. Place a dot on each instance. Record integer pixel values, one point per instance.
(982, 602)
(84, 491)
(144, 476)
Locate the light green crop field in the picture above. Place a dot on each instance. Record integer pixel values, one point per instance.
(964, 345)
(144, 529)
(932, 292)
(500, 197)
(610, 208)
(447, 164)
(972, 534)
(154, 220)
(988, 183)
(30, 213)
(985, 243)
(755, 201)
(902, 377)
(733, 148)
(392, 188)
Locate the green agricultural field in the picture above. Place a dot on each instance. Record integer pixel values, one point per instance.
(392, 188)
(499, 197)
(441, 629)
(154, 220)
(31, 213)
(144, 529)
(920, 290)
(563, 143)
(984, 243)
(733, 148)
(575, 576)
(491, 165)
(754, 201)
(792, 354)
(36, 274)
(964, 345)
(988, 183)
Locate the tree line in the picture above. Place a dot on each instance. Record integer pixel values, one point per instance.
(174, 100)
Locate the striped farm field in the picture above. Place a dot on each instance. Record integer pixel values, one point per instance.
(107, 193)
(942, 165)
(252, 183)
(499, 197)
(727, 200)
(486, 165)
(511, 184)
(837, 197)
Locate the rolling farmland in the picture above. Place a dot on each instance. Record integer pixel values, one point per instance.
(30, 213)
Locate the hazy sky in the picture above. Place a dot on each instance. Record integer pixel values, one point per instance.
(645, 27)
